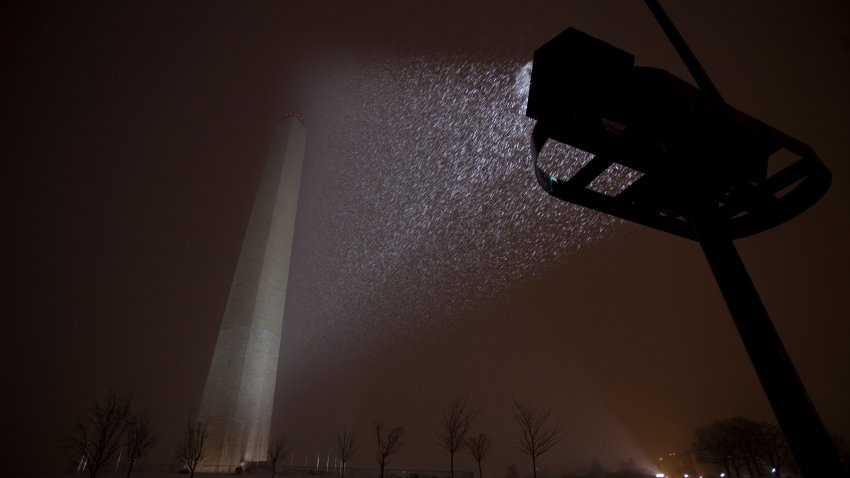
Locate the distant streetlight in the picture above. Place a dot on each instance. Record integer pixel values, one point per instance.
(704, 176)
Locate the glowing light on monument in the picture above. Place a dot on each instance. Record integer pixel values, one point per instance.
(416, 183)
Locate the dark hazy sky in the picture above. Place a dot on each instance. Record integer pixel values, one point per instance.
(133, 140)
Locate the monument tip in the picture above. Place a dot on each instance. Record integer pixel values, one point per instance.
(294, 113)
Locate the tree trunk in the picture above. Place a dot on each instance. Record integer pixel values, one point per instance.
(756, 466)
(342, 470)
(129, 468)
(94, 469)
(480, 475)
(533, 466)
(452, 464)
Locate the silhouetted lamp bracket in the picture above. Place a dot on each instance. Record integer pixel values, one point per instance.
(708, 173)
(697, 155)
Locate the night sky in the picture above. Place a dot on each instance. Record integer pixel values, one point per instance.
(427, 263)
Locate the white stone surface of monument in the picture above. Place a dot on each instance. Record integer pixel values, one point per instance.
(239, 393)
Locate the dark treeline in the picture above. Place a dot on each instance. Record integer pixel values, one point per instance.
(734, 447)
(742, 447)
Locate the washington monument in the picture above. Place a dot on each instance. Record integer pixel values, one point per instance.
(237, 402)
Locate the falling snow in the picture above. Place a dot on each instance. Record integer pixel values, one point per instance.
(419, 200)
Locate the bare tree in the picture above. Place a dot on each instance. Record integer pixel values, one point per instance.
(536, 436)
(714, 445)
(277, 452)
(191, 449)
(388, 441)
(455, 424)
(97, 437)
(344, 440)
(741, 446)
(139, 440)
(772, 447)
(479, 447)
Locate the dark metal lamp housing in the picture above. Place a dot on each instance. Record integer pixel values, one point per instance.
(694, 150)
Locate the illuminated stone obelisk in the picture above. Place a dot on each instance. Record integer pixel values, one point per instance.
(237, 402)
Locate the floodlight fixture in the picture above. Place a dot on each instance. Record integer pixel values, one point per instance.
(706, 176)
(697, 154)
